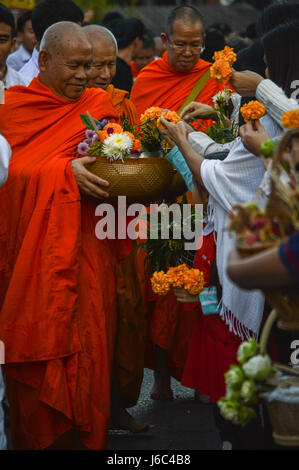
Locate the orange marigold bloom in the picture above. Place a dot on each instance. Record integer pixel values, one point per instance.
(221, 71)
(176, 275)
(253, 110)
(194, 281)
(290, 119)
(137, 145)
(151, 114)
(129, 134)
(102, 136)
(227, 54)
(116, 128)
(170, 116)
(160, 283)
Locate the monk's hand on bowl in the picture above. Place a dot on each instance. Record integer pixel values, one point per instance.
(177, 133)
(245, 83)
(253, 135)
(184, 297)
(88, 183)
(197, 110)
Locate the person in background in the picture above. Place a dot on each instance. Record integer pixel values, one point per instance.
(8, 75)
(44, 15)
(214, 41)
(145, 55)
(159, 47)
(25, 32)
(128, 34)
(111, 17)
(5, 154)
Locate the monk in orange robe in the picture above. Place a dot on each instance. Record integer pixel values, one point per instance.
(167, 82)
(130, 333)
(57, 280)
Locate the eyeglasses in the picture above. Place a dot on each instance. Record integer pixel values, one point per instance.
(182, 47)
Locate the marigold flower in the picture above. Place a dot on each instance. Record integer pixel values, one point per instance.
(194, 281)
(137, 145)
(221, 71)
(151, 114)
(113, 128)
(129, 134)
(290, 119)
(102, 136)
(253, 110)
(160, 283)
(227, 54)
(176, 275)
(170, 116)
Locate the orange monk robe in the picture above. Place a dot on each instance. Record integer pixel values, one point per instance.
(57, 280)
(130, 332)
(159, 84)
(123, 105)
(134, 69)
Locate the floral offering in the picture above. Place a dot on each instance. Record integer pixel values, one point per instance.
(290, 119)
(221, 71)
(244, 382)
(253, 110)
(109, 140)
(150, 136)
(226, 54)
(180, 276)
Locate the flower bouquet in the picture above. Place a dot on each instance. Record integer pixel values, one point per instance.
(221, 69)
(118, 151)
(180, 276)
(244, 382)
(153, 145)
(162, 252)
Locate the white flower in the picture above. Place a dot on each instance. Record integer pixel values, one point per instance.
(117, 146)
(229, 410)
(249, 391)
(247, 350)
(222, 97)
(234, 377)
(258, 367)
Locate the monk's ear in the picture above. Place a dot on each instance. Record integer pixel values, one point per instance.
(164, 39)
(43, 60)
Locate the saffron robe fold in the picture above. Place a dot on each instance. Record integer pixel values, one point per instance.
(122, 104)
(57, 280)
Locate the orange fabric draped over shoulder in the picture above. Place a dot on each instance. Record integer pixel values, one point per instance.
(57, 280)
(122, 104)
(159, 84)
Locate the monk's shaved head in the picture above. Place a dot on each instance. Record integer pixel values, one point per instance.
(65, 60)
(62, 34)
(100, 34)
(187, 14)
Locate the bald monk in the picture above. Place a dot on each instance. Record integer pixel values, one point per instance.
(167, 82)
(130, 341)
(58, 281)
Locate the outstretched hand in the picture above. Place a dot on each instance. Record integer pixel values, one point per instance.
(175, 133)
(253, 134)
(184, 297)
(88, 183)
(245, 83)
(200, 110)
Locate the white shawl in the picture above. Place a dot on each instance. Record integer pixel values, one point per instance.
(235, 180)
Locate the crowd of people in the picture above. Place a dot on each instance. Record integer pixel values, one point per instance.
(78, 318)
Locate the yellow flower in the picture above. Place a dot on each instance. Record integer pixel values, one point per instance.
(170, 116)
(290, 119)
(160, 283)
(151, 114)
(194, 281)
(253, 110)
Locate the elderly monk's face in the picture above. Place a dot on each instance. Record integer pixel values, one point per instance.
(66, 70)
(184, 45)
(103, 65)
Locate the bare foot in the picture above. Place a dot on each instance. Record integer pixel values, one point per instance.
(162, 389)
(124, 421)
